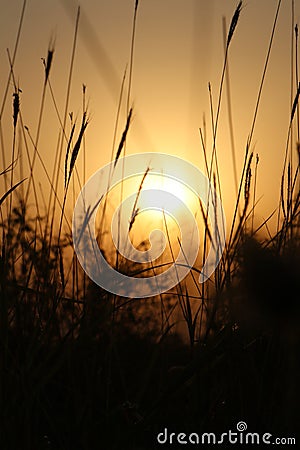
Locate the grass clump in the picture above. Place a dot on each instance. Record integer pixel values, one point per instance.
(82, 368)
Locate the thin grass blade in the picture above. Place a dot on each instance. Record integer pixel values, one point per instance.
(10, 191)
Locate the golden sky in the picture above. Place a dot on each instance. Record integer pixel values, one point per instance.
(178, 50)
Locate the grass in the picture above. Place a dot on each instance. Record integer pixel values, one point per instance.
(81, 368)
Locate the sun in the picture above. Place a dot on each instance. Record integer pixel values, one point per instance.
(172, 195)
(156, 201)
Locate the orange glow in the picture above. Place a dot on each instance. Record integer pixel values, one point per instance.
(178, 50)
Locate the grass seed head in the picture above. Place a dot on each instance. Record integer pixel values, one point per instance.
(48, 61)
(123, 138)
(16, 106)
(248, 180)
(75, 152)
(234, 22)
(67, 153)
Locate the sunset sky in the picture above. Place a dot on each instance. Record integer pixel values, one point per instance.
(178, 50)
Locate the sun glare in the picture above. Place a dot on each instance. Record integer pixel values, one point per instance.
(179, 194)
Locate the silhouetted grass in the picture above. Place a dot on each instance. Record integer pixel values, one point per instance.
(81, 368)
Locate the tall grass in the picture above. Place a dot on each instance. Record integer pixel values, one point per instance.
(81, 368)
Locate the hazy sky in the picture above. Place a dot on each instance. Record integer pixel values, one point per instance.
(178, 50)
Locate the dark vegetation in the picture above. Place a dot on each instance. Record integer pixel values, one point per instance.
(83, 369)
